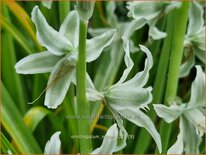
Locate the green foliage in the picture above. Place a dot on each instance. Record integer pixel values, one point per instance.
(116, 76)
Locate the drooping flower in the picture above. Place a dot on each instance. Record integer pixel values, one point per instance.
(192, 118)
(151, 11)
(194, 42)
(127, 98)
(61, 55)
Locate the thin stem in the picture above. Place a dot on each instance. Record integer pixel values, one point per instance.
(64, 7)
(176, 52)
(174, 65)
(82, 104)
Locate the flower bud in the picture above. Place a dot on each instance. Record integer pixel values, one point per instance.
(85, 9)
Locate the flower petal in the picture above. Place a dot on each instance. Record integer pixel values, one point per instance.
(109, 142)
(131, 27)
(191, 142)
(197, 118)
(169, 114)
(47, 4)
(94, 95)
(177, 147)
(42, 62)
(186, 67)
(95, 46)
(145, 10)
(141, 78)
(70, 28)
(196, 19)
(47, 36)
(128, 62)
(200, 54)
(122, 132)
(112, 18)
(53, 145)
(155, 33)
(59, 82)
(140, 119)
(126, 96)
(198, 89)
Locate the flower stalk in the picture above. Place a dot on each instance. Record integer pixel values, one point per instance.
(82, 104)
(176, 52)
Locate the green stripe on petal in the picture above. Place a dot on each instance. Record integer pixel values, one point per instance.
(59, 82)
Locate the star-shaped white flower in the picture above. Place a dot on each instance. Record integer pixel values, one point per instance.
(61, 55)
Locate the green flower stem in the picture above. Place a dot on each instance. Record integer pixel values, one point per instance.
(181, 16)
(176, 51)
(64, 7)
(82, 104)
(160, 80)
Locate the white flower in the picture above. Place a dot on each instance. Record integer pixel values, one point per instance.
(151, 11)
(194, 41)
(61, 55)
(126, 98)
(192, 117)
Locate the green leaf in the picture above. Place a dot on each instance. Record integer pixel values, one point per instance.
(59, 82)
(48, 37)
(53, 145)
(34, 116)
(16, 35)
(95, 46)
(11, 80)
(109, 143)
(12, 122)
(42, 62)
(6, 145)
(70, 28)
